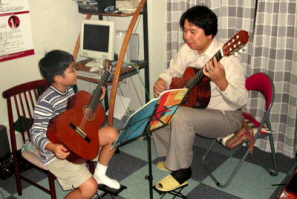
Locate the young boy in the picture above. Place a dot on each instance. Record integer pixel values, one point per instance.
(57, 68)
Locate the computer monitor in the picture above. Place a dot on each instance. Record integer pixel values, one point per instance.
(97, 41)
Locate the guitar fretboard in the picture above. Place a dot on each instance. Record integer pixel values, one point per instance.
(98, 91)
(199, 75)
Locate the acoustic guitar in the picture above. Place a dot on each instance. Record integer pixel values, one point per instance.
(197, 83)
(77, 127)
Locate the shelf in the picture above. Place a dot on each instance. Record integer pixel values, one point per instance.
(116, 14)
(125, 72)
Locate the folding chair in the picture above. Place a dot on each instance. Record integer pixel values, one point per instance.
(21, 100)
(259, 82)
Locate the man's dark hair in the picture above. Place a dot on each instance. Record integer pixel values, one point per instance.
(202, 17)
(54, 63)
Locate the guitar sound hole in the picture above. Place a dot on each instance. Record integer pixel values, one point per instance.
(89, 113)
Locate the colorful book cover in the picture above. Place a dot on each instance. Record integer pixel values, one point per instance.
(155, 113)
(168, 104)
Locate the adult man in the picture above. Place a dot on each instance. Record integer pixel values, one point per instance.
(228, 95)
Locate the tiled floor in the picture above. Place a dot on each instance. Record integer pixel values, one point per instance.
(130, 168)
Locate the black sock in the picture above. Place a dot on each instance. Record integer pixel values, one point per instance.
(182, 175)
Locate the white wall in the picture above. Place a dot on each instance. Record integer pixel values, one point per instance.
(157, 39)
(56, 24)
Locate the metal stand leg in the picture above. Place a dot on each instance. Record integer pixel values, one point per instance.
(149, 177)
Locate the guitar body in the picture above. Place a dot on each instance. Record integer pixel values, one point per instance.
(199, 96)
(61, 129)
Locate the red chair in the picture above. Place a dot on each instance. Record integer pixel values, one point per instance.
(262, 83)
(21, 100)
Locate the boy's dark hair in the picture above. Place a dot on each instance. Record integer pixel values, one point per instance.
(202, 17)
(54, 63)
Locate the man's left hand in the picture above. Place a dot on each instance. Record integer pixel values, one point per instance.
(216, 73)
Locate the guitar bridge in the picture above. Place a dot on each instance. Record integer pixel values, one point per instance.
(80, 132)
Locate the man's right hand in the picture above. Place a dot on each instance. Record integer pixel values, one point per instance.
(159, 86)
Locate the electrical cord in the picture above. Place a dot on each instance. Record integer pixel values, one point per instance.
(141, 80)
(128, 111)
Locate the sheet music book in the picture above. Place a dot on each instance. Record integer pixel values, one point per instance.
(156, 113)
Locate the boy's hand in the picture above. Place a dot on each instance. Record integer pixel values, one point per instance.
(103, 93)
(59, 150)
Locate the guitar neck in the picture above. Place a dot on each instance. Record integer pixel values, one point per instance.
(95, 100)
(96, 97)
(199, 75)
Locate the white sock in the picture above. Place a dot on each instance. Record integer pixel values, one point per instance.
(102, 178)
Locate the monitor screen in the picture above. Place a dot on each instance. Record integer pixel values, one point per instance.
(97, 39)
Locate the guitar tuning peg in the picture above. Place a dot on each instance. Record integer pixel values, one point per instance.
(240, 50)
(235, 54)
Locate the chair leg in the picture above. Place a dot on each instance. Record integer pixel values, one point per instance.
(17, 173)
(52, 188)
(208, 150)
(232, 174)
(274, 171)
(273, 156)
(91, 167)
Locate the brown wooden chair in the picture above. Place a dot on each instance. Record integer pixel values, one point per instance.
(21, 100)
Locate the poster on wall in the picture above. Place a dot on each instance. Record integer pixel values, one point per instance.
(15, 30)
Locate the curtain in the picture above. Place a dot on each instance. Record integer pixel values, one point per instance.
(272, 49)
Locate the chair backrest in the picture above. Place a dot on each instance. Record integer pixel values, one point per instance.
(262, 83)
(21, 100)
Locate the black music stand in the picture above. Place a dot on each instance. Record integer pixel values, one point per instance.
(154, 115)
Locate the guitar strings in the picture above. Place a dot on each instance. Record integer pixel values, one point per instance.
(91, 108)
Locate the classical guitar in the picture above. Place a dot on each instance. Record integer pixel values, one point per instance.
(197, 83)
(77, 127)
